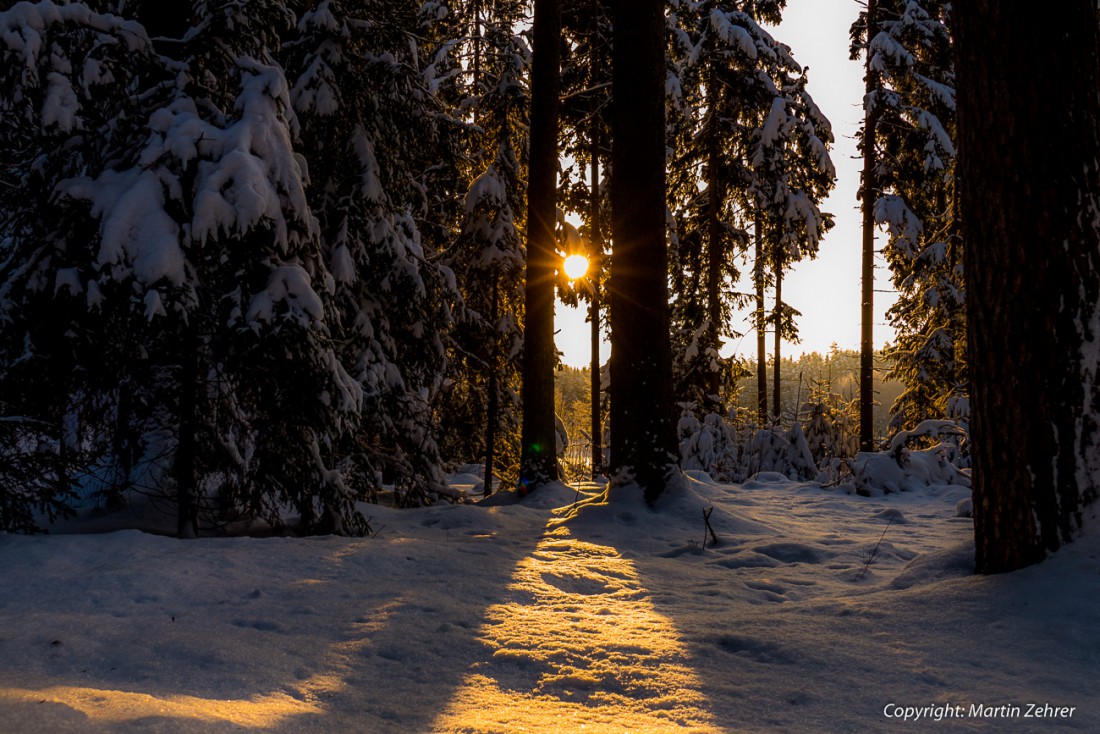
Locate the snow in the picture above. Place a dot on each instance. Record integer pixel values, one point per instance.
(816, 610)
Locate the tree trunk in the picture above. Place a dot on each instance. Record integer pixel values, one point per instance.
(776, 366)
(761, 330)
(643, 438)
(715, 254)
(493, 411)
(185, 466)
(538, 463)
(867, 297)
(596, 247)
(1029, 149)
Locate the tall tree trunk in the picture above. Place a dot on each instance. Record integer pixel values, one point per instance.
(867, 297)
(596, 246)
(538, 463)
(761, 321)
(185, 466)
(776, 365)
(643, 438)
(715, 253)
(493, 412)
(1028, 109)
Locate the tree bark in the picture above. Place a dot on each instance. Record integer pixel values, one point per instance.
(867, 296)
(1030, 195)
(715, 253)
(538, 462)
(596, 246)
(776, 366)
(761, 331)
(643, 439)
(493, 409)
(185, 466)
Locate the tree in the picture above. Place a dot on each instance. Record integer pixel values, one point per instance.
(868, 186)
(370, 128)
(538, 462)
(916, 201)
(480, 408)
(643, 438)
(745, 127)
(1028, 107)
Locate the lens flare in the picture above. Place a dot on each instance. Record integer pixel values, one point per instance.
(576, 266)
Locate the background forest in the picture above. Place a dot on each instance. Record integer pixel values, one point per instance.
(263, 257)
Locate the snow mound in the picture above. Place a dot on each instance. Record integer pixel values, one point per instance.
(679, 510)
(929, 568)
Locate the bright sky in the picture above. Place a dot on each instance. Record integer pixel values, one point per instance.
(825, 290)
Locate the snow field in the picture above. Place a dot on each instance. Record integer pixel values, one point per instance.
(562, 613)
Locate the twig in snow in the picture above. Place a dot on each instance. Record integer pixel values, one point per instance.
(708, 528)
(873, 553)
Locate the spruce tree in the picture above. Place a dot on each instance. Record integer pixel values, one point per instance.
(1028, 102)
(643, 439)
(538, 461)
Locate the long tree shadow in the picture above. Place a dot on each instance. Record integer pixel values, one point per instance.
(782, 634)
(364, 636)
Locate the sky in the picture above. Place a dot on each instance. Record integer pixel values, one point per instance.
(826, 290)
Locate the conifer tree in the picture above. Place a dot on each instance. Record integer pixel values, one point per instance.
(538, 461)
(915, 106)
(370, 130)
(1030, 206)
(643, 439)
(481, 413)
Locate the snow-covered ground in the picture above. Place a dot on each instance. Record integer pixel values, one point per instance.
(558, 614)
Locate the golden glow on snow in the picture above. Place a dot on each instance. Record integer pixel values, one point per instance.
(106, 706)
(578, 647)
(103, 706)
(576, 266)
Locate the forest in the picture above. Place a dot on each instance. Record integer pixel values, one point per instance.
(287, 443)
(263, 259)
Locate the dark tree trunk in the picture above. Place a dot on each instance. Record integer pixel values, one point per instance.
(185, 467)
(596, 218)
(715, 253)
(643, 439)
(761, 330)
(492, 416)
(777, 370)
(1028, 112)
(867, 297)
(538, 463)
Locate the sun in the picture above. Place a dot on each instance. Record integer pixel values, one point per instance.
(576, 266)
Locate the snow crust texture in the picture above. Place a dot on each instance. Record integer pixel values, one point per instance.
(581, 611)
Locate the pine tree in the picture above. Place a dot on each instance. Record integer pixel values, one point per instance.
(643, 439)
(753, 134)
(371, 131)
(70, 80)
(538, 462)
(915, 105)
(481, 412)
(1028, 106)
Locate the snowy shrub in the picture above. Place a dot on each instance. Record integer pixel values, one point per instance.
(711, 446)
(830, 430)
(901, 470)
(785, 452)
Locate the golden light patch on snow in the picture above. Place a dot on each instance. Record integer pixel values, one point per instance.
(578, 647)
(104, 706)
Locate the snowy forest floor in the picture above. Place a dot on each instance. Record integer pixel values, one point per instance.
(558, 614)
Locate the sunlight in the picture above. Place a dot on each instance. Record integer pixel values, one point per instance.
(106, 706)
(580, 646)
(576, 266)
